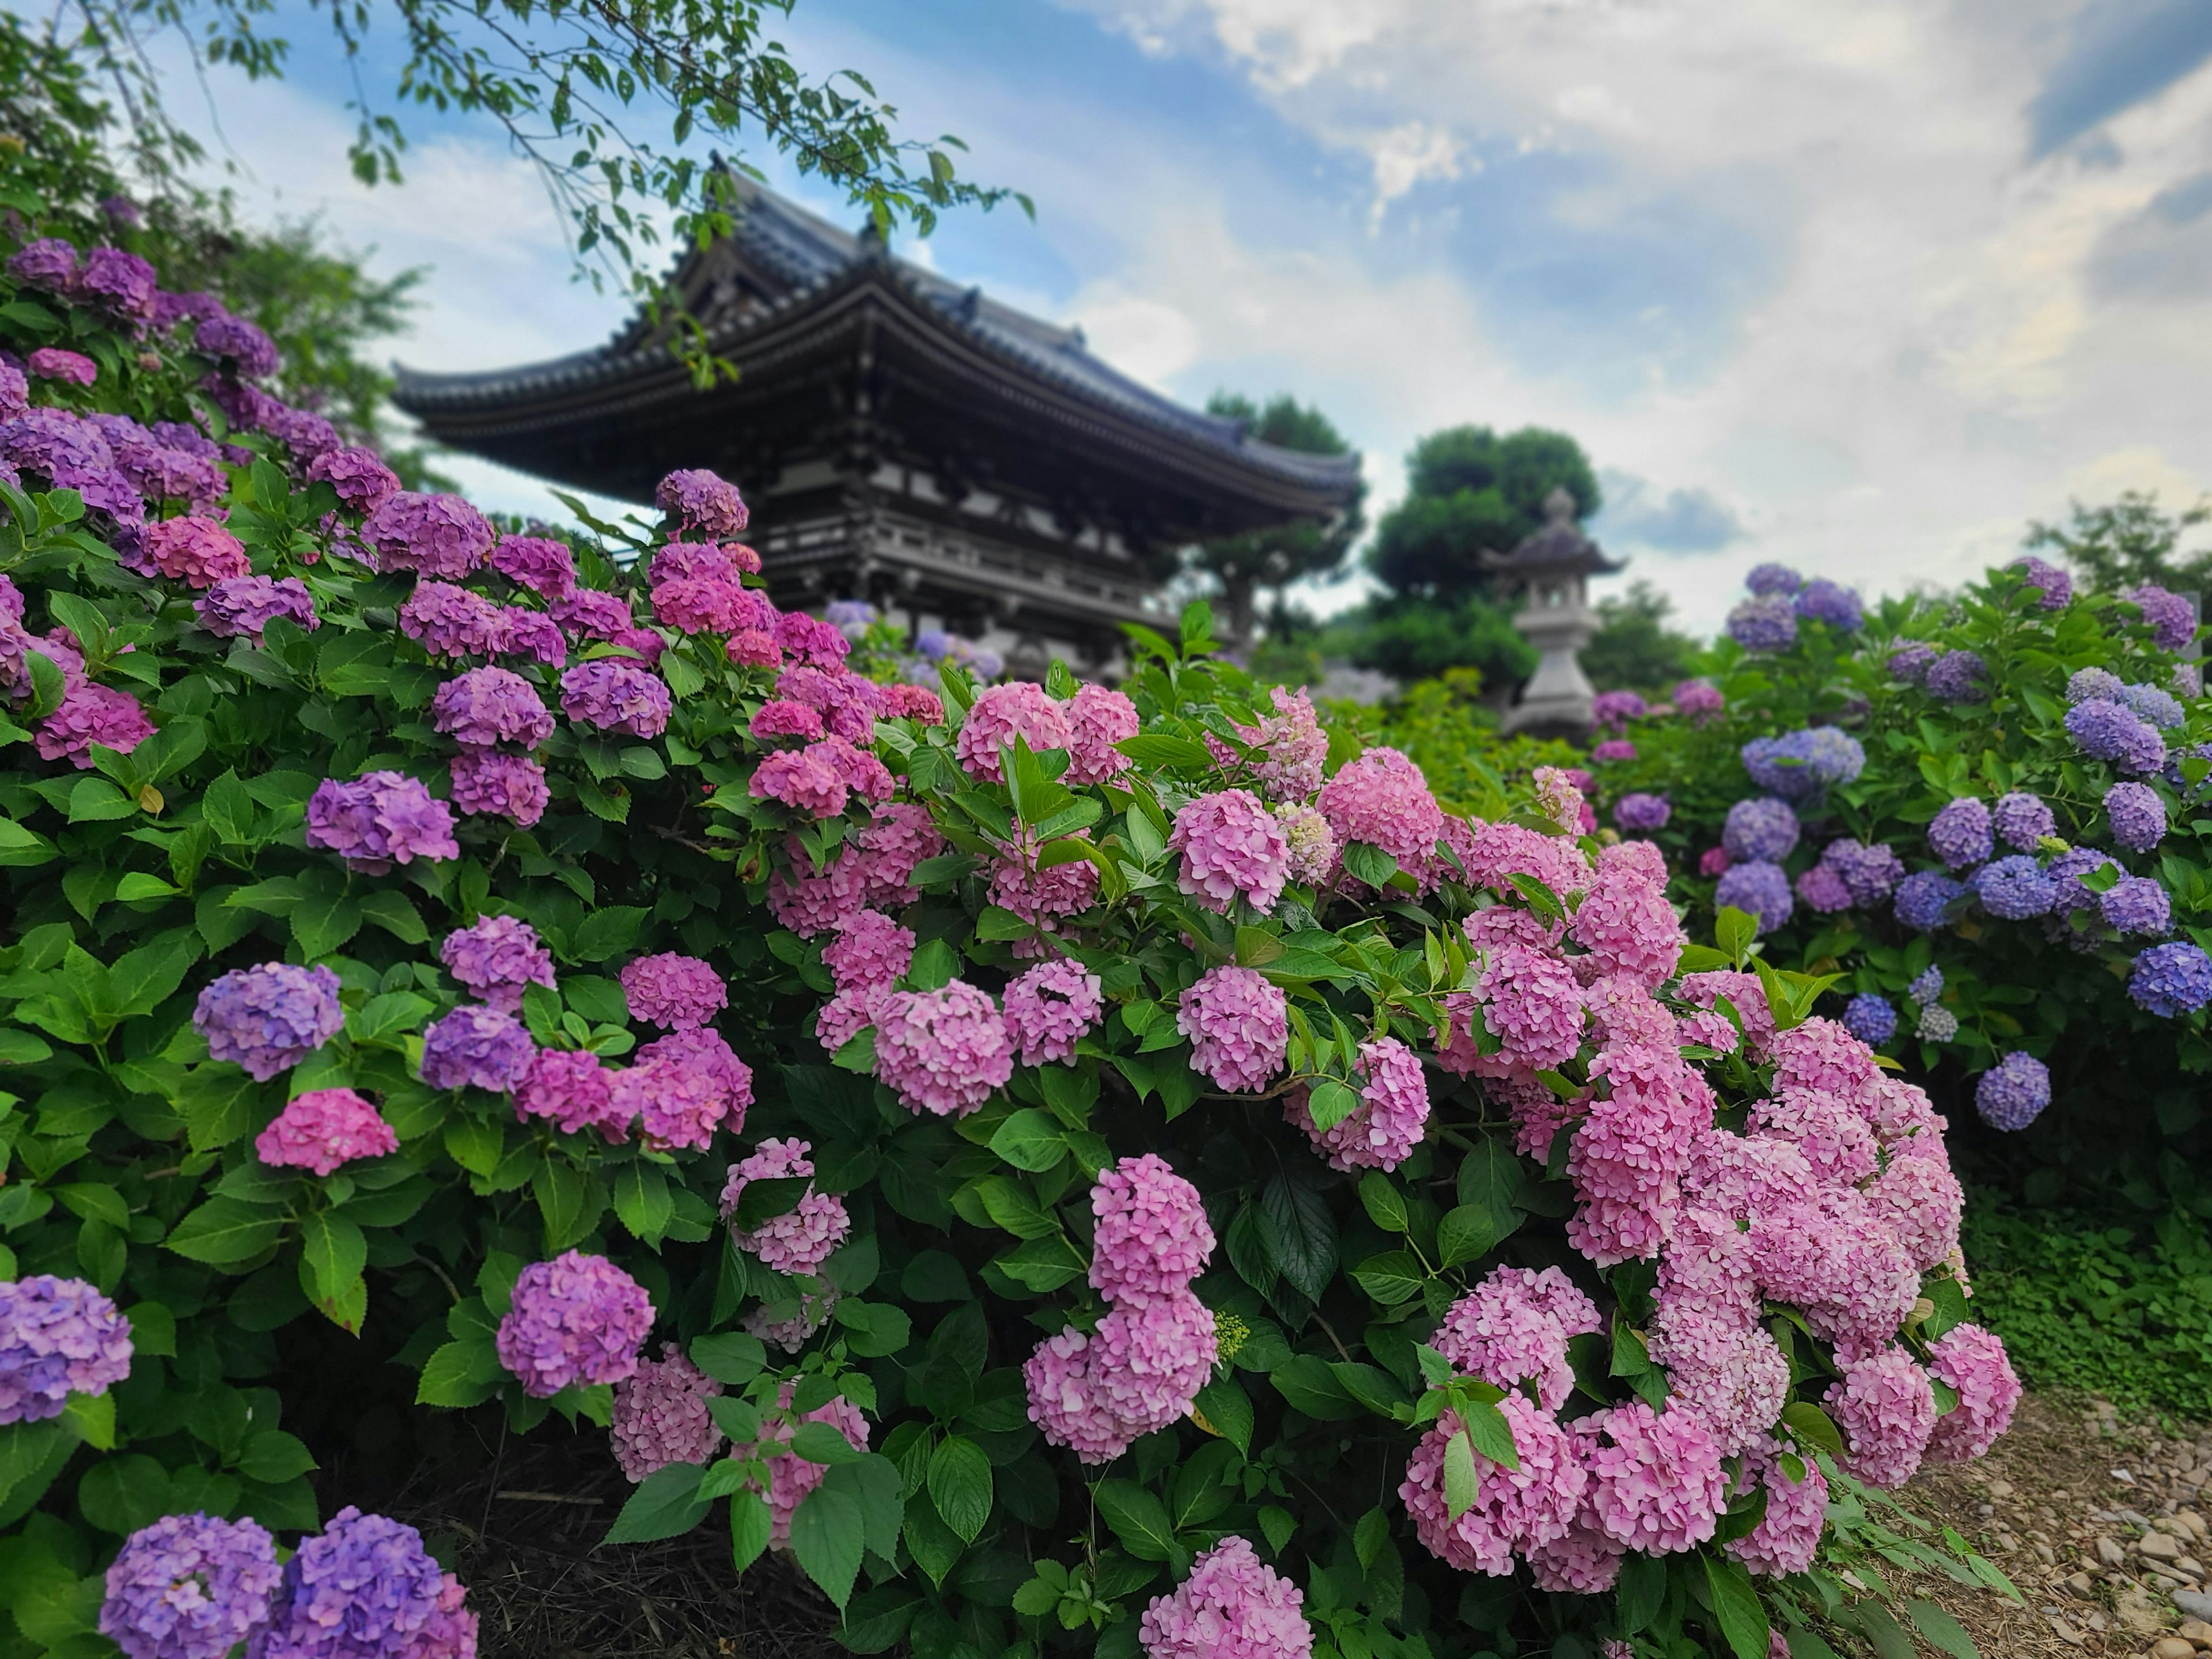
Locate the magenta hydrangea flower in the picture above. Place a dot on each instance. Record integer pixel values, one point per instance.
(1097, 718)
(804, 780)
(1050, 1008)
(675, 1105)
(1231, 1607)
(1231, 847)
(58, 1337)
(707, 1056)
(870, 950)
(1513, 1510)
(944, 1051)
(246, 606)
(91, 714)
(323, 1128)
(496, 959)
(486, 706)
(1972, 1362)
(592, 614)
(613, 695)
(661, 1415)
(699, 501)
(360, 477)
(1381, 798)
(447, 621)
(575, 1319)
(912, 702)
(802, 1238)
(500, 785)
(544, 566)
(1151, 1237)
(434, 535)
(1657, 1483)
(1001, 713)
(1514, 1327)
(190, 1587)
(251, 353)
(380, 819)
(198, 552)
(1239, 1027)
(53, 364)
(676, 992)
(573, 1089)
(709, 605)
(1886, 1412)
(785, 719)
(476, 1047)
(271, 1018)
(1788, 1534)
(1383, 1130)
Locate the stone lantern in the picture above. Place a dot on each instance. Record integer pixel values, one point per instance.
(1550, 571)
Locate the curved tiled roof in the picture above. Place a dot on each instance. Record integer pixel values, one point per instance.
(807, 255)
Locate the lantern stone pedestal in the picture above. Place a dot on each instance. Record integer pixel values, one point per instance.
(1550, 571)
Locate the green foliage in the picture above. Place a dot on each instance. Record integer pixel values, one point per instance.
(1417, 639)
(1283, 554)
(2121, 545)
(1634, 649)
(1469, 491)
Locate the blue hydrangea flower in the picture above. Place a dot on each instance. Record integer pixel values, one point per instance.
(190, 1587)
(2067, 871)
(2013, 1093)
(1760, 888)
(1929, 985)
(2015, 888)
(1767, 580)
(2149, 703)
(1822, 600)
(1922, 899)
(2021, 820)
(1959, 835)
(1761, 827)
(1870, 1019)
(2093, 685)
(1763, 624)
(1957, 677)
(2109, 731)
(1871, 872)
(2171, 980)
(1800, 764)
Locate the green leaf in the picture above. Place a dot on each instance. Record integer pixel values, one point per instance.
(1138, 1518)
(1737, 1609)
(459, 1374)
(1879, 1626)
(1492, 1434)
(1462, 1477)
(1813, 1427)
(960, 1485)
(1298, 1234)
(91, 1417)
(609, 932)
(1466, 1232)
(1280, 1525)
(1385, 1204)
(935, 1546)
(997, 924)
(1030, 1139)
(1735, 931)
(1158, 751)
(828, 1536)
(558, 1187)
(1369, 863)
(1392, 1278)
(642, 1201)
(396, 914)
(666, 1505)
(1642, 1590)
(332, 1253)
(122, 1494)
(1308, 1385)
(729, 1357)
(1941, 1629)
(1229, 1409)
(321, 924)
(819, 1443)
(1331, 1101)
(225, 1232)
(273, 1457)
(750, 1523)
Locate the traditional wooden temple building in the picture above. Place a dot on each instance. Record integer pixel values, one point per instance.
(900, 438)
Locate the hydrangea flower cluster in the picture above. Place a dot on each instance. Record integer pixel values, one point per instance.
(498, 958)
(380, 819)
(1382, 799)
(269, 1018)
(2011, 1094)
(1765, 623)
(1232, 1605)
(190, 1587)
(577, 1318)
(1050, 1008)
(661, 1415)
(1239, 1027)
(476, 1047)
(1381, 1132)
(243, 606)
(1804, 764)
(791, 1477)
(676, 992)
(1231, 847)
(946, 1051)
(323, 1128)
(804, 1237)
(365, 1588)
(58, 1337)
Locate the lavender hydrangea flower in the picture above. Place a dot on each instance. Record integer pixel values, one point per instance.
(699, 501)
(1763, 624)
(1802, 763)
(2152, 705)
(1961, 834)
(1922, 899)
(251, 353)
(271, 1018)
(1870, 874)
(498, 959)
(2172, 618)
(2137, 816)
(477, 1046)
(1909, 662)
(1767, 580)
(2013, 1093)
(58, 1337)
(615, 696)
(246, 606)
(366, 1588)
(49, 262)
(2021, 820)
(1822, 600)
(2093, 685)
(1760, 828)
(380, 819)
(433, 535)
(577, 1318)
(487, 707)
(2170, 980)
(2057, 586)
(2067, 871)
(1957, 677)
(1927, 986)
(190, 1587)
(359, 476)
(1870, 1019)
(1641, 813)
(1761, 889)
(2111, 731)
(2015, 888)
(2136, 904)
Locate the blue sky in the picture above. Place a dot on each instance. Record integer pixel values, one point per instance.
(1859, 284)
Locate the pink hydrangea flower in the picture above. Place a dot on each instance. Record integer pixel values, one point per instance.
(544, 566)
(870, 950)
(198, 552)
(1625, 921)
(1001, 713)
(91, 714)
(1532, 1004)
(697, 500)
(487, 782)
(1789, 1534)
(1231, 1607)
(790, 1333)
(785, 719)
(1727, 1371)
(612, 695)
(1886, 1412)
(1148, 1363)
(1310, 844)
(435, 535)
(1232, 848)
(946, 1051)
(1822, 1056)
(1291, 750)
(792, 1477)
(244, 606)
(676, 992)
(1381, 798)
(1745, 994)
(1497, 851)
(575, 1319)
(1050, 1008)
(487, 707)
(705, 1054)
(1239, 1027)
(802, 1238)
(447, 621)
(1066, 1403)
(1514, 1327)
(1582, 1562)
(710, 605)
(1521, 1508)
(1559, 798)
(1657, 1483)
(573, 1090)
(1097, 718)
(323, 1128)
(1973, 1362)
(804, 780)
(1739, 1176)
(912, 702)
(661, 1415)
(53, 364)
(753, 647)
(1383, 1130)
(1151, 1237)
(674, 1105)
(1834, 1138)
(1045, 897)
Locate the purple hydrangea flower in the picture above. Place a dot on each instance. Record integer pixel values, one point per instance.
(2015, 888)
(2170, 980)
(2173, 619)
(1822, 600)
(487, 707)
(1767, 579)
(1961, 834)
(497, 959)
(58, 1337)
(1760, 828)
(575, 1319)
(1927, 985)
(476, 1047)
(1641, 813)
(49, 262)
(2151, 705)
(434, 535)
(1802, 763)
(544, 566)
(2057, 587)
(1870, 1019)
(447, 621)
(2087, 685)
(1922, 899)
(2013, 1093)
(366, 1588)
(502, 785)
(2136, 904)
(699, 501)
(617, 695)
(380, 819)
(1909, 662)
(2021, 820)
(246, 606)
(190, 1587)
(1763, 624)
(1870, 872)
(2137, 816)
(2067, 871)
(1957, 677)
(674, 992)
(360, 476)
(1761, 889)
(249, 351)
(269, 1018)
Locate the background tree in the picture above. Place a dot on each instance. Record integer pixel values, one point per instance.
(1634, 650)
(2129, 542)
(1274, 558)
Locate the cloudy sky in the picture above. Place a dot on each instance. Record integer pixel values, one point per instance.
(1859, 284)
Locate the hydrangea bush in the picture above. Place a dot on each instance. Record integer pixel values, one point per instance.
(1979, 816)
(1097, 1168)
